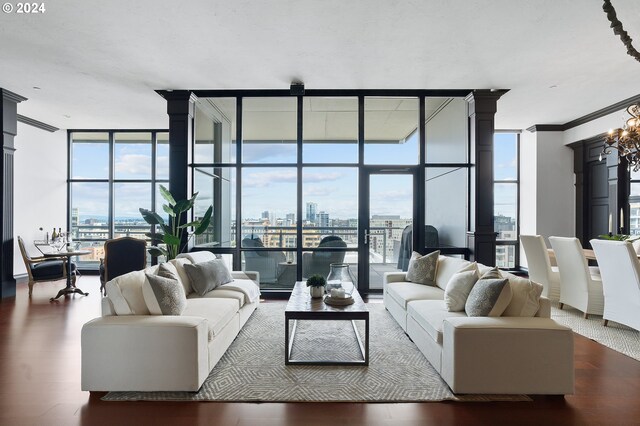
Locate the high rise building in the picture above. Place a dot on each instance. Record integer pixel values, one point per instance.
(290, 219)
(323, 219)
(312, 209)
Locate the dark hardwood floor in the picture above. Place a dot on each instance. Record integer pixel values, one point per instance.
(40, 384)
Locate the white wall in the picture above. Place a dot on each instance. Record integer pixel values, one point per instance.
(40, 173)
(547, 189)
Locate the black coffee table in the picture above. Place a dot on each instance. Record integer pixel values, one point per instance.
(302, 307)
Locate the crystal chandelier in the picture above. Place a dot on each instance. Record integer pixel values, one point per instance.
(626, 140)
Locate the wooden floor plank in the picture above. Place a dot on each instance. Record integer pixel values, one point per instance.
(40, 384)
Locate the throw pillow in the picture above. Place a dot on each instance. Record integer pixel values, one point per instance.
(167, 270)
(492, 273)
(163, 296)
(459, 287)
(422, 269)
(525, 299)
(206, 276)
(489, 297)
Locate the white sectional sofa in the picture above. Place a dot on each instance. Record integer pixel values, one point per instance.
(127, 349)
(482, 355)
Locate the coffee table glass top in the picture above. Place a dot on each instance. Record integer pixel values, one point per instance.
(301, 301)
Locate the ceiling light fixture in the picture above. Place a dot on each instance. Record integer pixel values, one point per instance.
(626, 140)
(619, 30)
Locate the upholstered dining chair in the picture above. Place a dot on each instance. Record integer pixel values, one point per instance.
(41, 269)
(319, 262)
(540, 269)
(620, 270)
(579, 287)
(121, 256)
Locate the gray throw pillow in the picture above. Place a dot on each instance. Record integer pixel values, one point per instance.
(422, 269)
(206, 276)
(489, 297)
(163, 296)
(167, 270)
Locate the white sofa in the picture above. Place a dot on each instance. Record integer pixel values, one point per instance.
(482, 355)
(127, 349)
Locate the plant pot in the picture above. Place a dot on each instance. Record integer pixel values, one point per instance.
(316, 292)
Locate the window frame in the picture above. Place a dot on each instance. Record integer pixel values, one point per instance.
(111, 180)
(515, 242)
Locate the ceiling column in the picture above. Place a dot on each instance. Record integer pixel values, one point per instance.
(181, 109)
(481, 237)
(9, 124)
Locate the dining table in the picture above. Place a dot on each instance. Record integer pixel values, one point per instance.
(588, 254)
(70, 288)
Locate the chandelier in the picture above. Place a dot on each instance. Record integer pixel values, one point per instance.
(626, 140)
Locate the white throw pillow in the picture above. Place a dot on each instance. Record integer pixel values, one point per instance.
(184, 277)
(525, 299)
(459, 287)
(125, 293)
(423, 269)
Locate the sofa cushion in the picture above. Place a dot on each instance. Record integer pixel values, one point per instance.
(207, 275)
(405, 292)
(430, 315)
(184, 277)
(217, 311)
(222, 293)
(489, 297)
(447, 266)
(422, 269)
(459, 287)
(163, 295)
(525, 298)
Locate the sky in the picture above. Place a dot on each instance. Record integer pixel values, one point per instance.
(334, 189)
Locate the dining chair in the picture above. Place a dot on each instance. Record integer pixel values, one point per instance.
(41, 269)
(579, 287)
(540, 269)
(122, 255)
(620, 269)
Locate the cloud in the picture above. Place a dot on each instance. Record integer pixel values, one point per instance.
(274, 152)
(253, 179)
(133, 165)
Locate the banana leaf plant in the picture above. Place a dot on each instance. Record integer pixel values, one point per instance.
(171, 234)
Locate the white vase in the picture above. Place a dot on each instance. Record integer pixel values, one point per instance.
(316, 292)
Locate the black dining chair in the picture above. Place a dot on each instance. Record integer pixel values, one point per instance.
(41, 269)
(121, 256)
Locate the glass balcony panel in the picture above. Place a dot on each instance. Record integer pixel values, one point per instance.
(505, 156)
(446, 206)
(505, 210)
(89, 155)
(216, 187)
(215, 130)
(330, 130)
(132, 155)
(446, 133)
(268, 200)
(391, 131)
(269, 130)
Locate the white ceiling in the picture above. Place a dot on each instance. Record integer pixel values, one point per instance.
(100, 62)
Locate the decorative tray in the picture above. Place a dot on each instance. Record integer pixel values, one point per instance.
(342, 301)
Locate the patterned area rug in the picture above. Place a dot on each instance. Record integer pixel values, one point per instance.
(615, 336)
(253, 370)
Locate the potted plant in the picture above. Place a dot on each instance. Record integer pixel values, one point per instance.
(172, 233)
(316, 285)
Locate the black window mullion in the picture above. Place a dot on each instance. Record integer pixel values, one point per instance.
(111, 176)
(237, 258)
(299, 237)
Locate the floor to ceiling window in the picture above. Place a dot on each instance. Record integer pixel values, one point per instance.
(111, 175)
(506, 157)
(314, 177)
(634, 204)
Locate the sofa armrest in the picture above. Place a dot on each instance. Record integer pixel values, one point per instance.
(544, 311)
(507, 355)
(145, 353)
(393, 277)
(251, 275)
